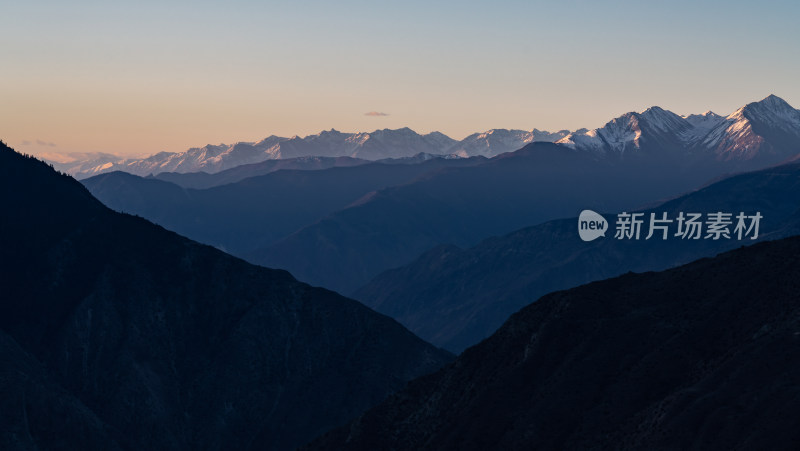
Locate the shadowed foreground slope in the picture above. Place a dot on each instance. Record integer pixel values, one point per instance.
(704, 356)
(115, 333)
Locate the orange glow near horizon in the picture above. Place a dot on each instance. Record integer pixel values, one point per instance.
(139, 79)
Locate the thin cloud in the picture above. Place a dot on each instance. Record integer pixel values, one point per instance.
(38, 142)
(45, 143)
(376, 114)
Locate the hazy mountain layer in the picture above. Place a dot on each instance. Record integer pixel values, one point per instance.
(456, 297)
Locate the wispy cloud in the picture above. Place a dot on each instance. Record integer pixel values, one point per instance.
(38, 142)
(376, 114)
(45, 143)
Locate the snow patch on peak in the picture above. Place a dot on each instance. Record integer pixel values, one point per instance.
(772, 112)
(700, 126)
(708, 115)
(663, 120)
(583, 139)
(500, 140)
(617, 136)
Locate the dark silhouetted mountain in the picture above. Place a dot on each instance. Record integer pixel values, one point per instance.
(699, 357)
(118, 334)
(456, 297)
(257, 211)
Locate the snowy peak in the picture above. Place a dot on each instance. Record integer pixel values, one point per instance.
(768, 128)
(621, 134)
(771, 102)
(709, 117)
(440, 140)
(625, 133)
(663, 120)
(399, 143)
(771, 112)
(700, 126)
(496, 141)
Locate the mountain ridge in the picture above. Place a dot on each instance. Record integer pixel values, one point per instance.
(715, 134)
(697, 357)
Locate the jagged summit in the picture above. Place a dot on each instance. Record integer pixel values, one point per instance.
(759, 129)
(772, 110)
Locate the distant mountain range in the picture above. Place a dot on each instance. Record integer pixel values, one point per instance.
(118, 334)
(355, 231)
(634, 160)
(377, 145)
(737, 136)
(701, 357)
(455, 297)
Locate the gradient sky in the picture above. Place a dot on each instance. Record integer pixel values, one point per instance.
(142, 77)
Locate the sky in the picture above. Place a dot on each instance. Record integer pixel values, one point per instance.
(136, 78)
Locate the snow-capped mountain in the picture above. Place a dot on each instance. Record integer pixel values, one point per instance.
(700, 125)
(769, 128)
(210, 158)
(766, 130)
(497, 141)
(88, 163)
(630, 132)
(377, 145)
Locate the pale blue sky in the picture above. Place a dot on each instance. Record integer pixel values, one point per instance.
(141, 77)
